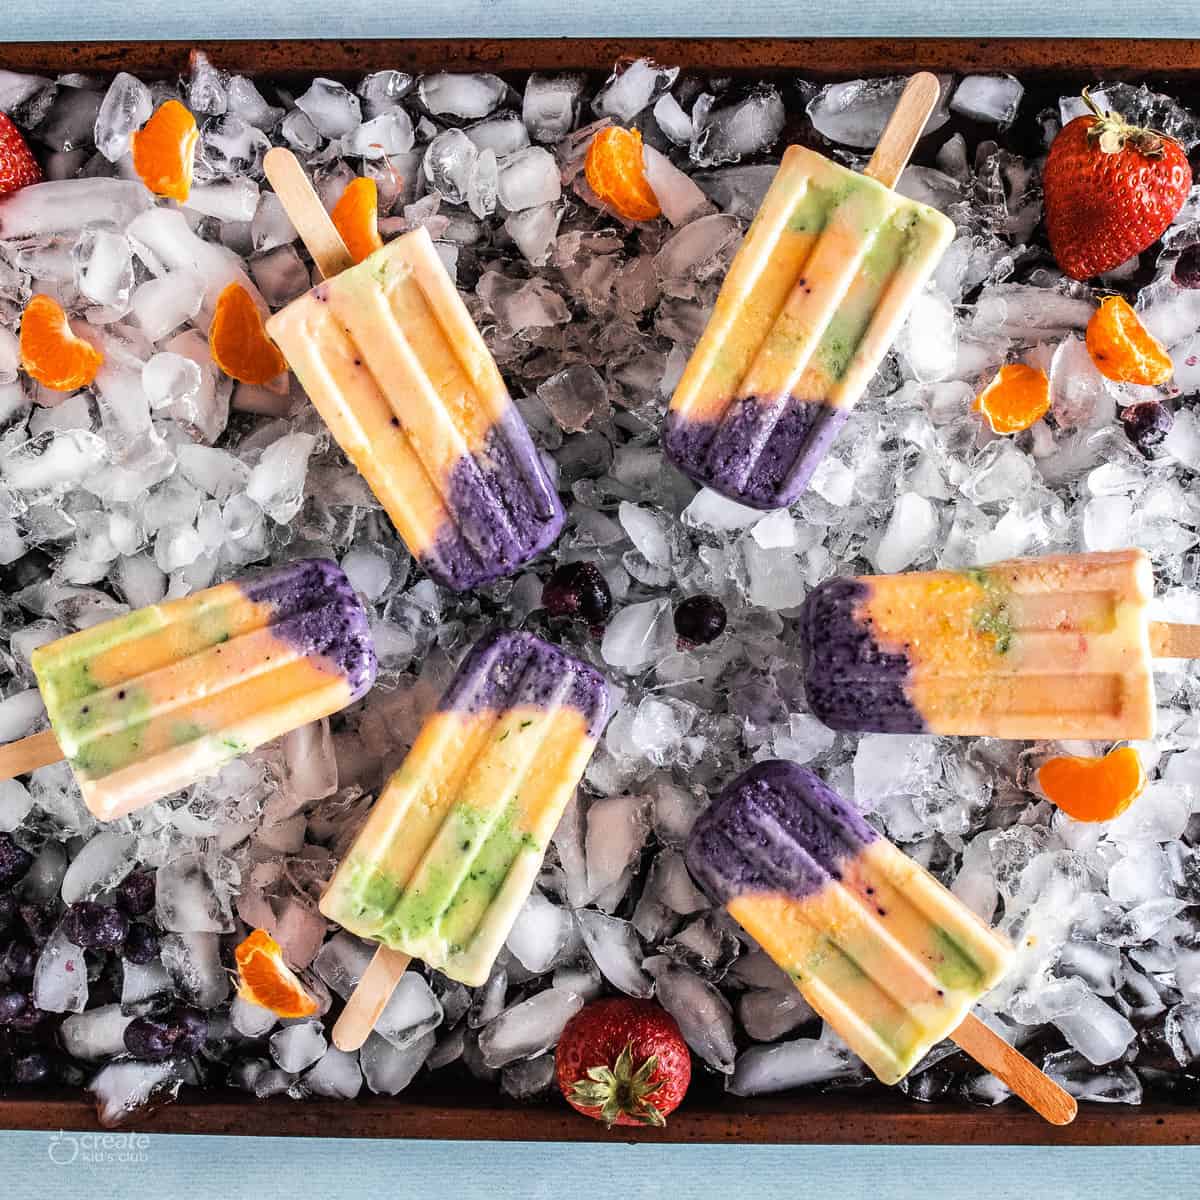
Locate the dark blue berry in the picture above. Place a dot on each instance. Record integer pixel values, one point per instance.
(14, 862)
(142, 944)
(1187, 268)
(578, 589)
(700, 620)
(8, 910)
(1147, 424)
(135, 893)
(12, 1005)
(192, 1030)
(182, 1032)
(30, 1067)
(18, 960)
(95, 926)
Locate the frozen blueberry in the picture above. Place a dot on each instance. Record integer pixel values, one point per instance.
(40, 920)
(135, 893)
(700, 620)
(8, 910)
(31, 1067)
(95, 926)
(1187, 268)
(183, 1031)
(142, 944)
(1146, 424)
(14, 862)
(12, 1005)
(578, 589)
(18, 960)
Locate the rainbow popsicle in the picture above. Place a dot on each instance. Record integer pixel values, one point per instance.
(451, 849)
(1052, 647)
(391, 359)
(816, 295)
(878, 947)
(148, 703)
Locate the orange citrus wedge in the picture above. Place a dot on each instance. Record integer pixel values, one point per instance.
(51, 352)
(1018, 397)
(616, 173)
(164, 150)
(1094, 789)
(266, 980)
(238, 341)
(356, 215)
(1123, 348)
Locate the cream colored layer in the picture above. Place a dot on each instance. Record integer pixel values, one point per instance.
(787, 286)
(1078, 662)
(466, 774)
(390, 357)
(886, 955)
(301, 692)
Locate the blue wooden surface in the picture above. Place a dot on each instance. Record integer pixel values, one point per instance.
(174, 1168)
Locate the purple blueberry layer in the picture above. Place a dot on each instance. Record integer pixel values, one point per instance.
(757, 455)
(316, 610)
(777, 828)
(852, 683)
(505, 510)
(506, 669)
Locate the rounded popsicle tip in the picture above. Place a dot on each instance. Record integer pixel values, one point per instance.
(777, 828)
(317, 610)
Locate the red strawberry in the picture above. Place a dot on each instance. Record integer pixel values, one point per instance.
(18, 167)
(623, 1062)
(1111, 190)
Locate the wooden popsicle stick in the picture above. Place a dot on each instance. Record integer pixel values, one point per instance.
(1174, 641)
(904, 128)
(37, 750)
(1011, 1067)
(303, 206)
(369, 998)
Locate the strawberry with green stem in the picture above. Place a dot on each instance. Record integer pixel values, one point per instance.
(1111, 190)
(623, 1062)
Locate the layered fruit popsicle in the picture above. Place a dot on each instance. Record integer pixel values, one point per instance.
(451, 849)
(1052, 647)
(815, 297)
(393, 362)
(878, 947)
(148, 703)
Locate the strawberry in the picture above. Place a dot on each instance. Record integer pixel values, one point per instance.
(1111, 190)
(623, 1062)
(18, 167)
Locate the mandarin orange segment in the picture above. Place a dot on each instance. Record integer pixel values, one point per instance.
(1018, 397)
(238, 341)
(616, 172)
(1122, 348)
(1094, 789)
(266, 980)
(356, 215)
(164, 151)
(51, 352)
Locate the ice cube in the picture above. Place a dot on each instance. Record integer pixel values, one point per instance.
(800, 1063)
(448, 163)
(126, 1090)
(680, 197)
(60, 980)
(388, 1070)
(276, 484)
(617, 827)
(126, 106)
(20, 714)
(298, 1046)
(702, 1013)
(630, 90)
(736, 131)
(335, 1075)
(528, 1029)
(452, 94)
(638, 635)
(333, 110)
(990, 98)
(910, 534)
(388, 134)
(539, 933)
(528, 178)
(888, 764)
(550, 105)
(15, 804)
(193, 961)
(99, 865)
(615, 949)
(576, 396)
(96, 1034)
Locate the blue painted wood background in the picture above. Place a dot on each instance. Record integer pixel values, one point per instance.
(174, 1168)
